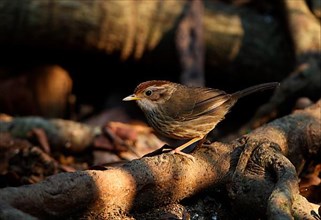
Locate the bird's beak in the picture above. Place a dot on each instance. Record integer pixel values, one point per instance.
(131, 98)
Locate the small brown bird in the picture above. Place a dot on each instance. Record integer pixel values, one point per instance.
(180, 112)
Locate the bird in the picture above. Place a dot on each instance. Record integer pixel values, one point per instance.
(185, 113)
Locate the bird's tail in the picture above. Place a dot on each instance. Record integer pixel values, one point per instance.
(256, 88)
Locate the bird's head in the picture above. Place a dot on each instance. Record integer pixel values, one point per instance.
(149, 95)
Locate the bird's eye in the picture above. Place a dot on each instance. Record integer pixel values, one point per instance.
(148, 92)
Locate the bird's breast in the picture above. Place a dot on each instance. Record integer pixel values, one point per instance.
(169, 127)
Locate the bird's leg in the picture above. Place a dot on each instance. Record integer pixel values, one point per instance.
(179, 149)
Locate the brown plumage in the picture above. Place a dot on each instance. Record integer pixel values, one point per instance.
(186, 113)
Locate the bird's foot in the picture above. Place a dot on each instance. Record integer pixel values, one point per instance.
(176, 151)
(164, 149)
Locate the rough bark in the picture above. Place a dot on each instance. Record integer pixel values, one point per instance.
(233, 36)
(8, 212)
(305, 81)
(304, 27)
(190, 44)
(304, 31)
(257, 175)
(69, 135)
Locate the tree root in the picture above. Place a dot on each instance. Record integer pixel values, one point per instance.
(258, 171)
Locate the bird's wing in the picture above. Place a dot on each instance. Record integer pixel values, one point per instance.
(199, 101)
